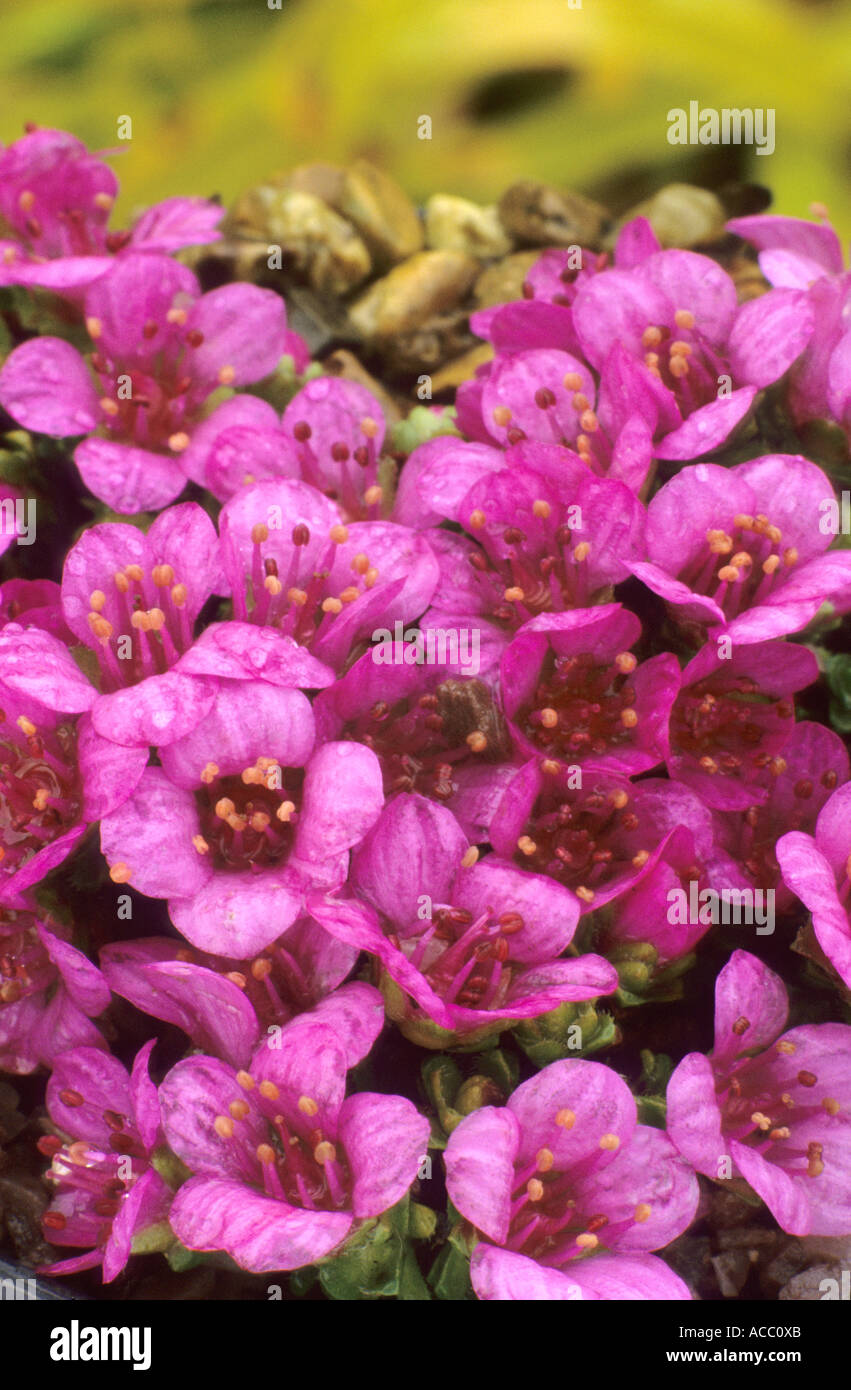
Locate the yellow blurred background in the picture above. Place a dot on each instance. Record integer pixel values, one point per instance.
(224, 92)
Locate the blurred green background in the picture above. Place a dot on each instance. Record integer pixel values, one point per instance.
(224, 92)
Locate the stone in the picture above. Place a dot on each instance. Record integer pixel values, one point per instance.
(681, 215)
(424, 285)
(455, 224)
(382, 212)
(324, 181)
(316, 242)
(461, 368)
(547, 216)
(503, 282)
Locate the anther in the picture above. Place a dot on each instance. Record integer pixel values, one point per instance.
(269, 1090)
(308, 1106)
(223, 1125)
(609, 1142)
(119, 873)
(565, 1119)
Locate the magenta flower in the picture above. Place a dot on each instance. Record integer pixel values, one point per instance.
(774, 1107)
(57, 773)
(598, 836)
(286, 1166)
(330, 436)
(800, 257)
(243, 816)
(107, 1191)
(817, 868)
(160, 350)
(55, 200)
(293, 565)
(569, 1192)
(787, 795)
(474, 945)
(224, 1004)
(432, 733)
(675, 313)
(49, 992)
(574, 693)
(642, 913)
(546, 396)
(742, 547)
(733, 717)
(542, 318)
(34, 603)
(544, 535)
(133, 600)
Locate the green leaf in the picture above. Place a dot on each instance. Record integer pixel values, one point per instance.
(180, 1259)
(369, 1266)
(421, 425)
(449, 1276)
(412, 1285)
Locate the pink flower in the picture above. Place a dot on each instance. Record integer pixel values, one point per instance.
(474, 944)
(674, 316)
(641, 914)
(817, 868)
(598, 838)
(433, 733)
(330, 436)
(49, 991)
(742, 548)
(774, 1107)
(160, 350)
(56, 198)
(293, 565)
(787, 795)
(244, 815)
(224, 1004)
(57, 774)
(286, 1166)
(733, 717)
(543, 534)
(569, 1192)
(575, 694)
(803, 260)
(107, 1190)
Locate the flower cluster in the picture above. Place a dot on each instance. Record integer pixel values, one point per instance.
(469, 746)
